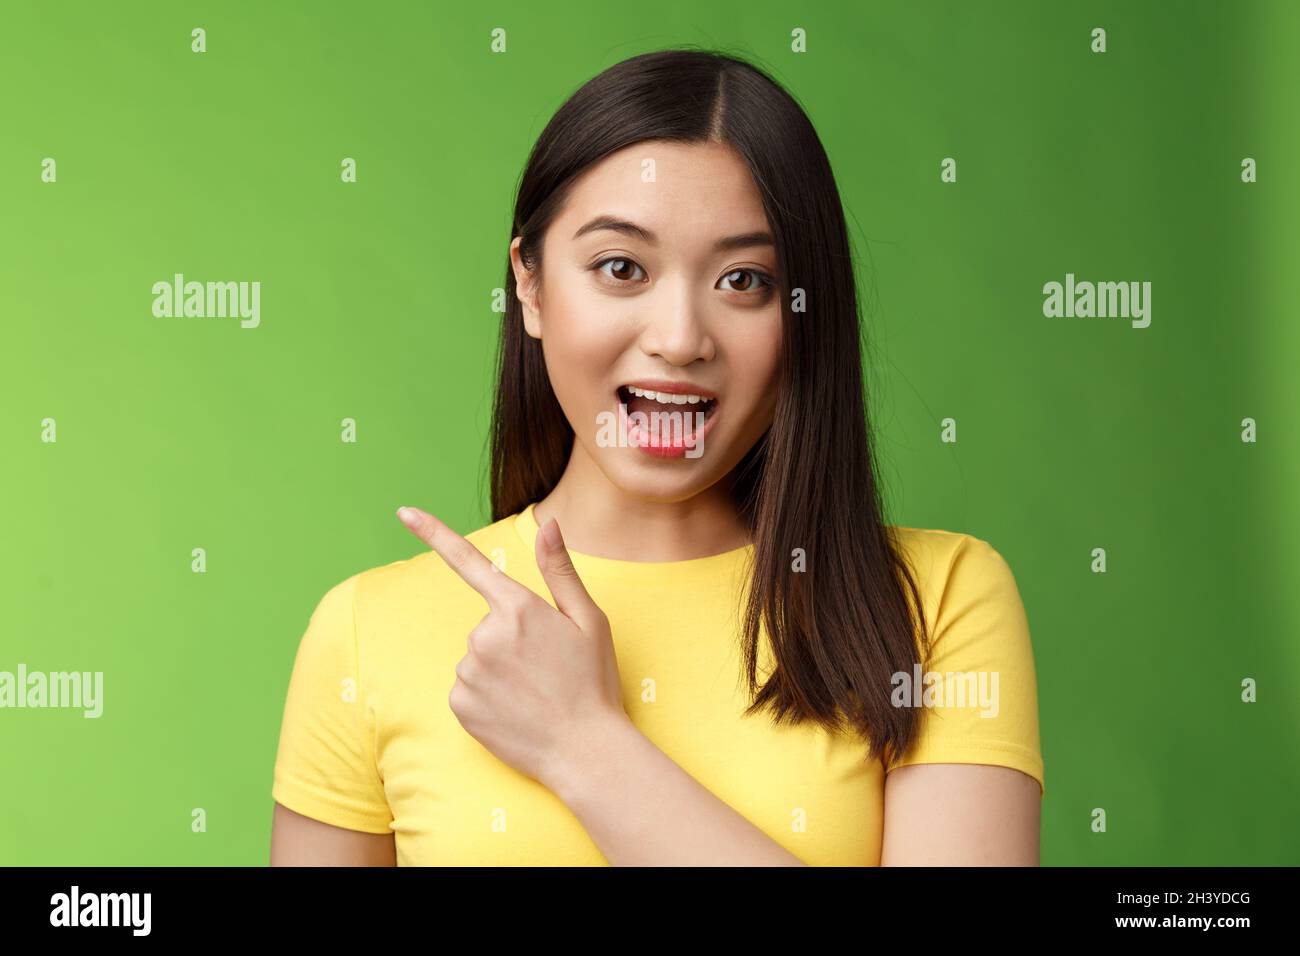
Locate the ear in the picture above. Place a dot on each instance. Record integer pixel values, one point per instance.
(526, 291)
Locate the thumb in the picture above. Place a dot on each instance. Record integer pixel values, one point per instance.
(561, 577)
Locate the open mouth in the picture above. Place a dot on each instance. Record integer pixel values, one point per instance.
(648, 401)
(668, 424)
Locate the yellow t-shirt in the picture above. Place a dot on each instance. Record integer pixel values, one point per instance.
(368, 741)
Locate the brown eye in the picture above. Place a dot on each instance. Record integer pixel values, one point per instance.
(744, 285)
(623, 270)
(746, 280)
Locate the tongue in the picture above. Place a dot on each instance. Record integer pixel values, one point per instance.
(669, 416)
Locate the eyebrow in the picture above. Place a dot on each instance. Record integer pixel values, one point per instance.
(727, 243)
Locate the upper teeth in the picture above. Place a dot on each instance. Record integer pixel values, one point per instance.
(667, 398)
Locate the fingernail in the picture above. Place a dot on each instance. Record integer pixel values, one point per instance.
(551, 535)
(406, 514)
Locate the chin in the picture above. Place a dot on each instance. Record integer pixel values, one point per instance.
(658, 480)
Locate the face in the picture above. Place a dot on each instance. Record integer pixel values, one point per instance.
(658, 293)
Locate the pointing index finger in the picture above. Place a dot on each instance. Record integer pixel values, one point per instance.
(461, 556)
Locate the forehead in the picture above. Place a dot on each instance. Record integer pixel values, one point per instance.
(688, 193)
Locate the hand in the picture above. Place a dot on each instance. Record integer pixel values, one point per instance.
(537, 684)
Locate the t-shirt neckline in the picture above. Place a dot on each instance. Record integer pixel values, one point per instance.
(525, 524)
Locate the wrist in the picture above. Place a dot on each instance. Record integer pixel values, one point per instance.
(591, 757)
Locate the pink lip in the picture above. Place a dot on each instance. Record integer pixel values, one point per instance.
(672, 448)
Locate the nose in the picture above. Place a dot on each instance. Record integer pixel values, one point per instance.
(676, 329)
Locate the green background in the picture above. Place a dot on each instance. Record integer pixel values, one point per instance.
(376, 305)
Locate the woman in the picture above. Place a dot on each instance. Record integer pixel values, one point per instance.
(726, 656)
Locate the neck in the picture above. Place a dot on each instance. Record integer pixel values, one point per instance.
(598, 518)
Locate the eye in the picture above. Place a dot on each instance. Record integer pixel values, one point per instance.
(624, 269)
(750, 280)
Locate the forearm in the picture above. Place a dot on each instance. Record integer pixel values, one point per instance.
(642, 809)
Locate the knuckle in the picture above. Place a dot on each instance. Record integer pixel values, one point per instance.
(464, 670)
(516, 608)
(460, 555)
(593, 622)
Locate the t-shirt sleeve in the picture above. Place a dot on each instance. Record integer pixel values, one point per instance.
(978, 693)
(325, 766)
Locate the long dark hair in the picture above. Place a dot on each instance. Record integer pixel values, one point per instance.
(839, 630)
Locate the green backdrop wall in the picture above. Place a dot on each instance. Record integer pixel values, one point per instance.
(1073, 434)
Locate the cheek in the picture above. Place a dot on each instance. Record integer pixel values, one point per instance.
(581, 342)
(757, 358)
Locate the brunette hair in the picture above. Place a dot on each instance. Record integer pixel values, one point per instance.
(839, 630)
